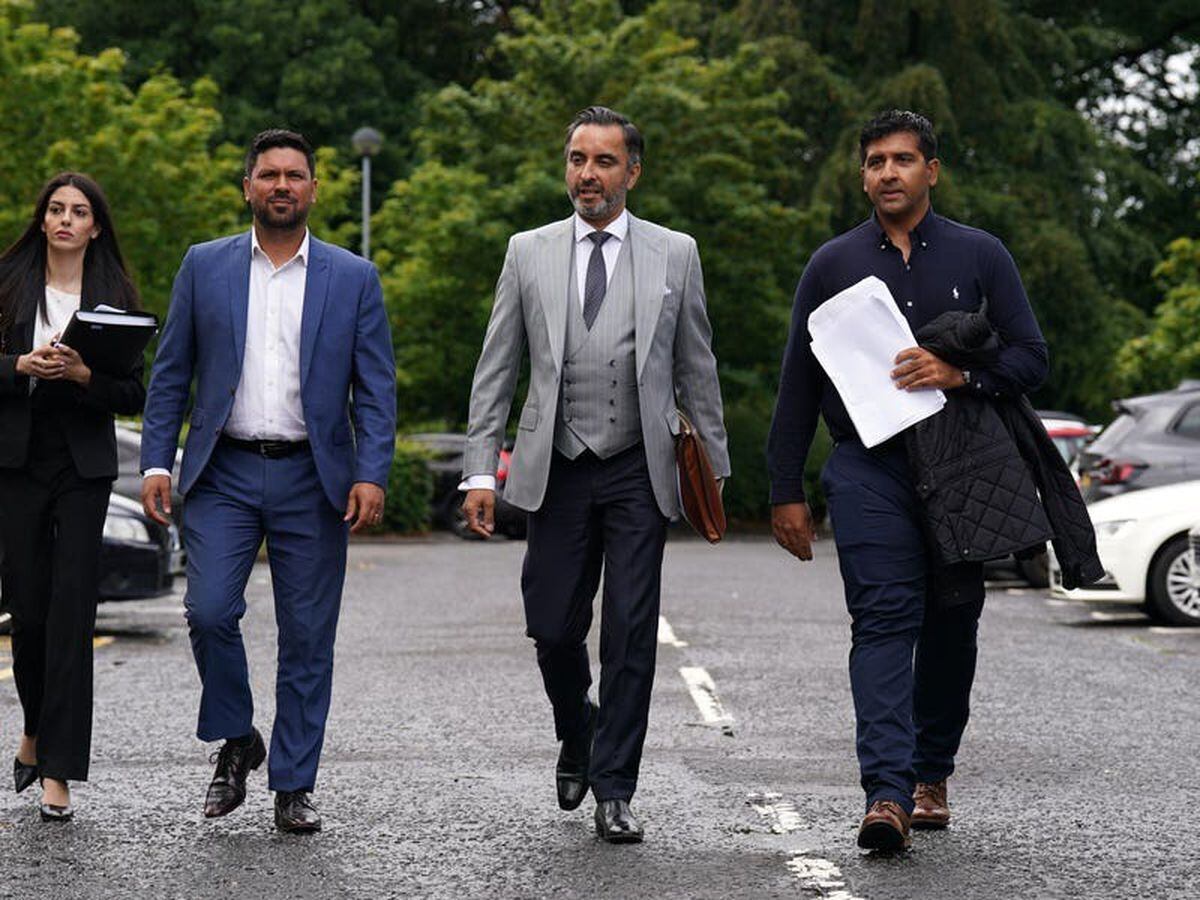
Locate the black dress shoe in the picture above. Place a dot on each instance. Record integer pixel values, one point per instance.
(574, 758)
(228, 787)
(295, 813)
(616, 824)
(52, 813)
(23, 775)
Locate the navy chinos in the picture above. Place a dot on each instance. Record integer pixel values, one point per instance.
(912, 662)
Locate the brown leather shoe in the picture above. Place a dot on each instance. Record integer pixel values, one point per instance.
(884, 827)
(931, 809)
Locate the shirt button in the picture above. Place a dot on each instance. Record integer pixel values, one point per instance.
(614, 382)
(909, 303)
(612, 402)
(612, 418)
(883, 246)
(612, 362)
(923, 245)
(907, 267)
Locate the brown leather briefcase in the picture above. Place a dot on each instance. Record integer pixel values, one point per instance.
(697, 485)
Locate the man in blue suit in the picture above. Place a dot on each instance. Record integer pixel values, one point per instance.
(291, 440)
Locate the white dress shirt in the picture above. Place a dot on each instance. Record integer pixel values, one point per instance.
(617, 229)
(266, 406)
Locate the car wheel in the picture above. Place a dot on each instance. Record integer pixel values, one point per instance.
(1035, 570)
(1173, 587)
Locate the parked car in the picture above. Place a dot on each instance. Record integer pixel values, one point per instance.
(1154, 440)
(1070, 433)
(445, 462)
(139, 558)
(1142, 538)
(129, 472)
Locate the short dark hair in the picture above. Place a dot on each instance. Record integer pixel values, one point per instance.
(280, 137)
(899, 120)
(635, 146)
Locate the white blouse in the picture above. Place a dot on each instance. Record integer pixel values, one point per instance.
(59, 308)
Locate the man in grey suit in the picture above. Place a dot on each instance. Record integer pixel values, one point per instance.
(612, 310)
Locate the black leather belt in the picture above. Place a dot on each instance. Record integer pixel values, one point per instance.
(269, 449)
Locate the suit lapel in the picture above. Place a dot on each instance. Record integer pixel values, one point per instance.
(239, 296)
(316, 289)
(553, 270)
(648, 255)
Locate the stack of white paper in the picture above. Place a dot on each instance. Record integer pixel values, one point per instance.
(855, 336)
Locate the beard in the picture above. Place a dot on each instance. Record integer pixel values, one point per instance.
(293, 217)
(601, 208)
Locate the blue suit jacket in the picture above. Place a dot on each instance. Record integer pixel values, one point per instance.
(347, 369)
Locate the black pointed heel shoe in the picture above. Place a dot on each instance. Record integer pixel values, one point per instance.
(52, 813)
(23, 775)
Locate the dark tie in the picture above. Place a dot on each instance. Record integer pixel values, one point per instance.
(596, 281)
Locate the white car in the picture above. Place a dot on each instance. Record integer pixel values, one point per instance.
(1142, 538)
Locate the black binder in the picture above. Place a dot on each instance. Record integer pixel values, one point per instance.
(109, 342)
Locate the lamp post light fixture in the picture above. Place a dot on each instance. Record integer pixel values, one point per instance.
(366, 142)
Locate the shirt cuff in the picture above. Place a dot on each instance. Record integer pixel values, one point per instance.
(478, 483)
(150, 472)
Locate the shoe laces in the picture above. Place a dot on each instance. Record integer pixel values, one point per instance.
(932, 793)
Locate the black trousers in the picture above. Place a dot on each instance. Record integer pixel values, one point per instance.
(52, 525)
(598, 514)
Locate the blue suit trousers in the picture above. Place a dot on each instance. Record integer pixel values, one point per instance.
(912, 662)
(239, 499)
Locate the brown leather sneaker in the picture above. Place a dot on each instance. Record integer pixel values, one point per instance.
(931, 810)
(884, 827)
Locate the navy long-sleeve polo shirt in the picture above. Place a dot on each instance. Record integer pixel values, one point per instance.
(950, 266)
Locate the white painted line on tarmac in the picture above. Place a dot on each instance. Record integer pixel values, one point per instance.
(704, 693)
(781, 815)
(821, 877)
(1053, 601)
(666, 634)
(5, 674)
(816, 875)
(1175, 629)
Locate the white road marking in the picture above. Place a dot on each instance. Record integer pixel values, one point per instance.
(781, 815)
(1175, 629)
(817, 876)
(821, 877)
(1052, 601)
(144, 610)
(666, 634)
(704, 694)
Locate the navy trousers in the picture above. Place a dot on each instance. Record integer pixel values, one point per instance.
(912, 662)
(240, 499)
(598, 514)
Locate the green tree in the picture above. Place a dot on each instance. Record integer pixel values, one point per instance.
(150, 149)
(324, 67)
(718, 165)
(1170, 350)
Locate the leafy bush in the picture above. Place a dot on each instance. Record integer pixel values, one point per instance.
(410, 491)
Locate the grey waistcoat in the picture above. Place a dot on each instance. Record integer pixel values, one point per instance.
(598, 400)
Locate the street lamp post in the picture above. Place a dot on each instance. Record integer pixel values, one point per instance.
(366, 142)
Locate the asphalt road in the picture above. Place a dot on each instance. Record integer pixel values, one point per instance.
(1077, 777)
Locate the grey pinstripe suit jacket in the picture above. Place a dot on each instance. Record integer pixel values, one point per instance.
(675, 363)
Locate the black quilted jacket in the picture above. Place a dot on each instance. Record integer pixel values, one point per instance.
(991, 481)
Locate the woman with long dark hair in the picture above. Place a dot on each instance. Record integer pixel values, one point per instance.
(58, 459)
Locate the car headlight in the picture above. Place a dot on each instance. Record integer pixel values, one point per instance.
(123, 528)
(1112, 529)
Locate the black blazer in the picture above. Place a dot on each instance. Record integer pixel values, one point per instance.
(89, 421)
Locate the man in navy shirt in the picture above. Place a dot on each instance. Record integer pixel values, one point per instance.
(910, 712)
